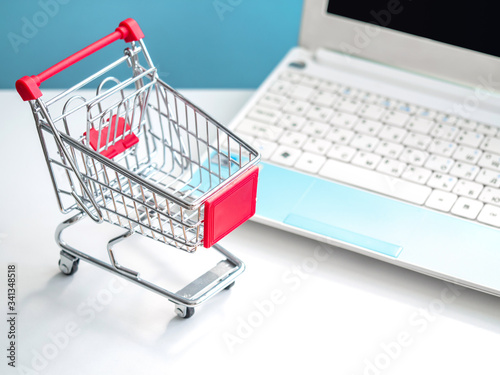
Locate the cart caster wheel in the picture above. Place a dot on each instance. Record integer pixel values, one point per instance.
(229, 286)
(68, 266)
(189, 312)
(184, 311)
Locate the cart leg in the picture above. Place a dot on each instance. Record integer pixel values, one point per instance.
(68, 263)
(112, 258)
(65, 224)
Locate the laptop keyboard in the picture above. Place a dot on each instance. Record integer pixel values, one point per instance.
(380, 144)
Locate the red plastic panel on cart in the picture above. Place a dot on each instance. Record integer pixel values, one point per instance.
(231, 207)
(121, 145)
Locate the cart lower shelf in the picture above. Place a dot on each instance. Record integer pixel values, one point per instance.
(221, 276)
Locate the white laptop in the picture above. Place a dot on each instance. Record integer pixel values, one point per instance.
(380, 134)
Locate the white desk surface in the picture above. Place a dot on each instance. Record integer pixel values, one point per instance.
(337, 314)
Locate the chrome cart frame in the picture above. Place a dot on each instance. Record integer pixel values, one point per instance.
(140, 156)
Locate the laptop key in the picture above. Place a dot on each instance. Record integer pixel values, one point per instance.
(318, 113)
(466, 124)
(301, 92)
(406, 108)
(387, 103)
(309, 162)
(259, 130)
(285, 155)
(292, 122)
(491, 144)
(467, 208)
(329, 86)
(418, 141)
(375, 181)
(440, 147)
(372, 111)
(392, 133)
(349, 92)
(317, 145)
(396, 118)
(468, 188)
(420, 125)
(348, 105)
(344, 120)
(315, 128)
(491, 161)
(389, 149)
(369, 127)
(325, 98)
(426, 113)
(293, 139)
(488, 177)
(264, 114)
(439, 163)
(467, 154)
(273, 101)
(464, 170)
(392, 167)
(490, 215)
(342, 152)
(442, 181)
(446, 118)
(280, 87)
(296, 107)
(441, 200)
(366, 159)
(444, 131)
(413, 156)
(416, 174)
(487, 129)
(490, 195)
(470, 138)
(266, 148)
(369, 97)
(364, 142)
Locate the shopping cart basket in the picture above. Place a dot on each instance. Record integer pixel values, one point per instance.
(137, 154)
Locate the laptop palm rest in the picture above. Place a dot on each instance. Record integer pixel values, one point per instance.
(401, 232)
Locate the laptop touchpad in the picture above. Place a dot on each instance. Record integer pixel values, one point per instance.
(340, 236)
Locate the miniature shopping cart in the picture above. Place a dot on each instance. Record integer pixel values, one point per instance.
(137, 154)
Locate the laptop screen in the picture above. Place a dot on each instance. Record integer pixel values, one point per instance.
(471, 25)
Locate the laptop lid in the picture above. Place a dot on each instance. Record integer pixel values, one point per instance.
(449, 40)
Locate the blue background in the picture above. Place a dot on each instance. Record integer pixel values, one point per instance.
(193, 43)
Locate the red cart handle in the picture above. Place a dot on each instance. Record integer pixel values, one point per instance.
(28, 87)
